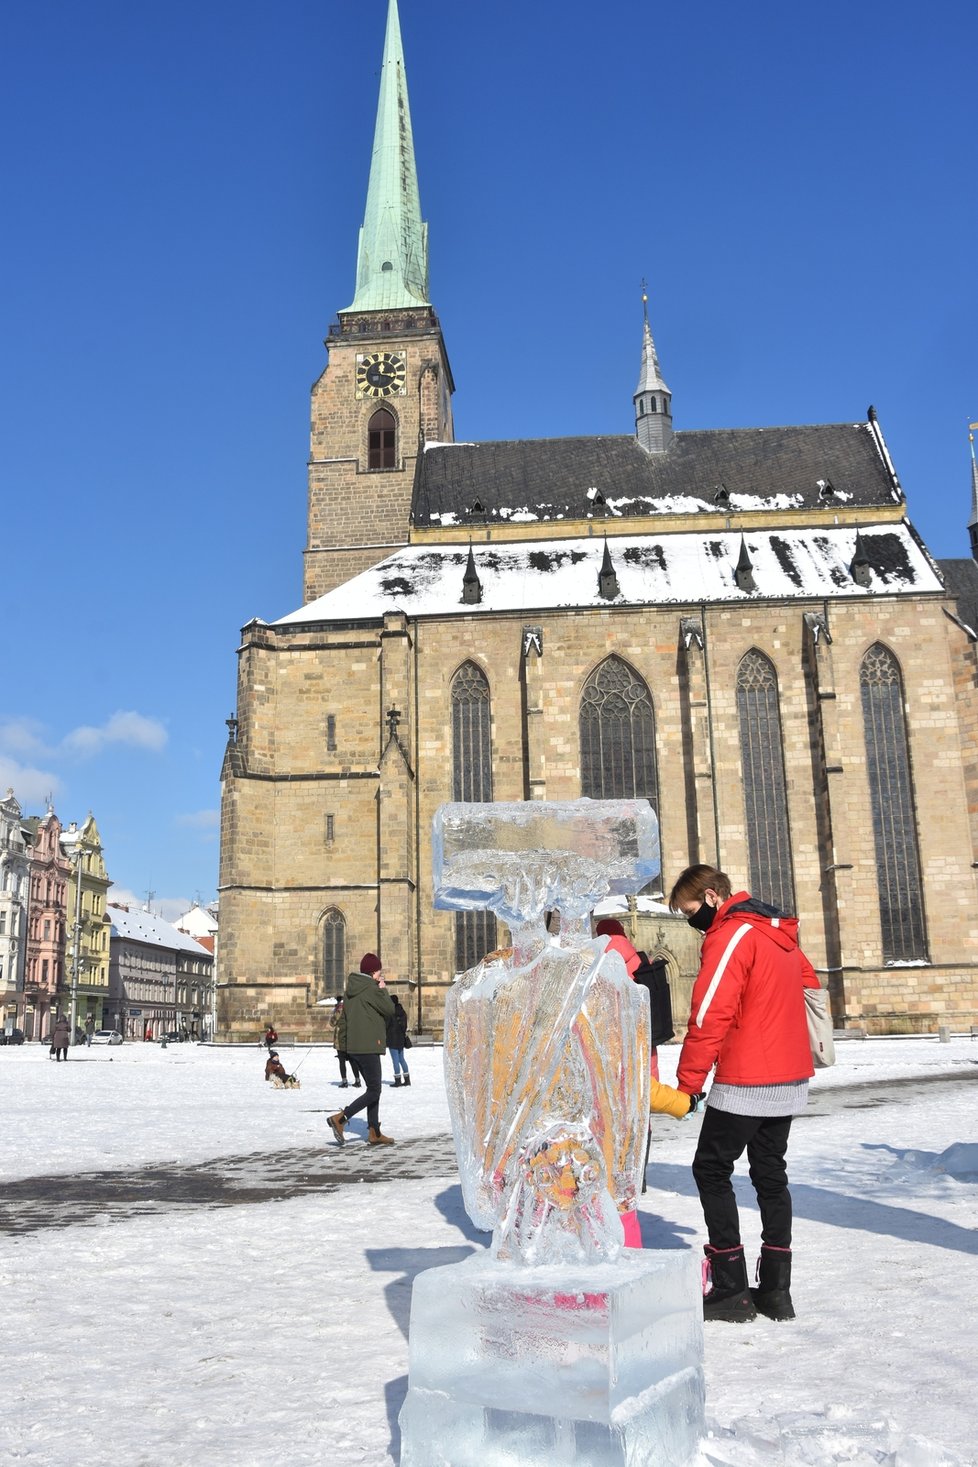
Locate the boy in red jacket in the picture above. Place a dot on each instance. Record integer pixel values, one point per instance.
(748, 1019)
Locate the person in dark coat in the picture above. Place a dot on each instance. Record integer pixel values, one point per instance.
(397, 1027)
(338, 1025)
(271, 1037)
(60, 1038)
(367, 1007)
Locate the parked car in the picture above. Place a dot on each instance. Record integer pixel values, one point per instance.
(11, 1036)
(175, 1037)
(106, 1036)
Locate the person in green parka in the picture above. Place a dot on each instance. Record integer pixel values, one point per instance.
(366, 1006)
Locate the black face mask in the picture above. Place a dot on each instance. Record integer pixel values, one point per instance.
(703, 917)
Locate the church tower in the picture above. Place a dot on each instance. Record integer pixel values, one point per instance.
(653, 400)
(387, 389)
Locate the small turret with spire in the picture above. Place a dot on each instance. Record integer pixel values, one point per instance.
(653, 400)
(973, 522)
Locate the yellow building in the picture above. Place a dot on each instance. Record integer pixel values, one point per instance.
(85, 989)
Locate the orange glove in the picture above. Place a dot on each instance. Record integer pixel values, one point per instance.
(664, 1100)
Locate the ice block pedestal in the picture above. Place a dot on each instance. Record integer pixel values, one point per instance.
(523, 1367)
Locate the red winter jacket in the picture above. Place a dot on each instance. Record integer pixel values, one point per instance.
(748, 1012)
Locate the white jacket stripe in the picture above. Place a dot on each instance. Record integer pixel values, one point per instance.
(720, 970)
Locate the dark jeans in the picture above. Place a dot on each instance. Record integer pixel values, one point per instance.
(369, 1066)
(343, 1057)
(723, 1138)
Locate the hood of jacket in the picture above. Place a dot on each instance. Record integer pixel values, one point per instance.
(765, 919)
(359, 983)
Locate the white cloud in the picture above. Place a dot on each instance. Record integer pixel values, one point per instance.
(22, 736)
(31, 786)
(133, 729)
(203, 820)
(169, 908)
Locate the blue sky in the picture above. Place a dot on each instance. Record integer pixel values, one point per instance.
(182, 192)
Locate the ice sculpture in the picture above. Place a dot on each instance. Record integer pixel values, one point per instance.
(558, 1345)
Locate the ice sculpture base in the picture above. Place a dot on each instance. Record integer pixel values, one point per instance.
(597, 1366)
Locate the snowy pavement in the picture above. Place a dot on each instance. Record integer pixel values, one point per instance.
(190, 1270)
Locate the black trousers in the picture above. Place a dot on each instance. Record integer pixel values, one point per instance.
(369, 1067)
(723, 1138)
(343, 1057)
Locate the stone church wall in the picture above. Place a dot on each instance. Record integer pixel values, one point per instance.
(377, 868)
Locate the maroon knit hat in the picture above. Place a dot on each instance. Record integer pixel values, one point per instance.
(370, 963)
(609, 927)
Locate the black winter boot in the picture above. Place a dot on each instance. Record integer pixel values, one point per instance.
(407, 1078)
(773, 1275)
(397, 1082)
(728, 1297)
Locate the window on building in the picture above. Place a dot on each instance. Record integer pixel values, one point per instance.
(334, 953)
(44, 970)
(3, 922)
(330, 829)
(770, 873)
(331, 730)
(617, 731)
(382, 440)
(891, 799)
(47, 929)
(475, 932)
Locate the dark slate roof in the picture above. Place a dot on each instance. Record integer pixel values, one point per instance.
(961, 580)
(561, 478)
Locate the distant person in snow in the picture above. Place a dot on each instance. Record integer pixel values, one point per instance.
(271, 1037)
(338, 1026)
(60, 1038)
(367, 1008)
(278, 1074)
(748, 1019)
(397, 1041)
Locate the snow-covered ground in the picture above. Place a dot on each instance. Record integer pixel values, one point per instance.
(276, 1330)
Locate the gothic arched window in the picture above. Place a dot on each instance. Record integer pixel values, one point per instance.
(475, 932)
(382, 440)
(891, 798)
(617, 726)
(765, 795)
(334, 954)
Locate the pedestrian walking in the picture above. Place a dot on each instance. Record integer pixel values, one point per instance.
(397, 1042)
(60, 1038)
(338, 1026)
(748, 1019)
(367, 1006)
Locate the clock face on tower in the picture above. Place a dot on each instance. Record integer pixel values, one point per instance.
(381, 374)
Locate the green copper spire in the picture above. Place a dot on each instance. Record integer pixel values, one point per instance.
(392, 263)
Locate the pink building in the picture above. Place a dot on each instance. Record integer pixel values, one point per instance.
(46, 924)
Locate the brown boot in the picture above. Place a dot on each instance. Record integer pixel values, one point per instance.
(376, 1138)
(336, 1124)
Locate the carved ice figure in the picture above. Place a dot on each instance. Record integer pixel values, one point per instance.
(547, 1043)
(559, 1345)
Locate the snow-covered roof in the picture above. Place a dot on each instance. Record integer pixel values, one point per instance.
(198, 921)
(142, 926)
(540, 575)
(718, 471)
